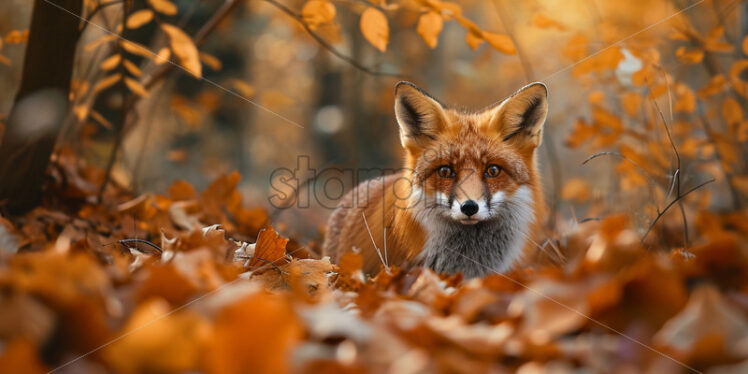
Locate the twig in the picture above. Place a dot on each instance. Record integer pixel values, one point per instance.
(375, 244)
(677, 199)
(326, 45)
(125, 243)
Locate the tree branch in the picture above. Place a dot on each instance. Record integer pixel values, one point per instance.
(326, 45)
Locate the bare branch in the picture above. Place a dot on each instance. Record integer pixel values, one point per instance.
(326, 45)
(677, 199)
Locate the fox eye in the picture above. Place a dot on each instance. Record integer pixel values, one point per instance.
(445, 171)
(492, 171)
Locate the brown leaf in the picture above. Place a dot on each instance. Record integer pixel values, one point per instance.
(184, 48)
(375, 28)
(211, 61)
(270, 248)
(429, 27)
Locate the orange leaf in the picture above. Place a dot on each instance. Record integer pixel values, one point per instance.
(631, 102)
(139, 18)
(136, 87)
(184, 48)
(107, 82)
(716, 84)
(136, 49)
(164, 7)
(745, 45)
(375, 28)
(575, 189)
(736, 72)
(318, 12)
(162, 56)
(244, 88)
(270, 247)
(473, 39)
(111, 62)
(606, 60)
(686, 101)
(690, 56)
(211, 61)
(544, 22)
(713, 44)
(500, 42)
(132, 68)
(429, 27)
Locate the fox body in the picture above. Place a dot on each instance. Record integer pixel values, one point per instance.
(468, 198)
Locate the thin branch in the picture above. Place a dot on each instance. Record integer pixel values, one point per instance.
(677, 199)
(322, 42)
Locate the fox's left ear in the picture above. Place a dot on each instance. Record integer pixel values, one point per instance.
(520, 117)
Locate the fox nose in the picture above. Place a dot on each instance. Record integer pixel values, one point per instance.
(469, 207)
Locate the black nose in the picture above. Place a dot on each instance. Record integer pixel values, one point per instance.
(469, 207)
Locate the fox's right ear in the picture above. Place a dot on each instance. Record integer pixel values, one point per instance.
(419, 115)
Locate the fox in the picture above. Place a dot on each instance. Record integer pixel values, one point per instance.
(469, 196)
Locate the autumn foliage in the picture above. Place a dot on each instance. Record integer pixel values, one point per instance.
(149, 252)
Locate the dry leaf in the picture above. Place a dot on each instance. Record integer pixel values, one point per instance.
(576, 189)
(132, 68)
(270, 248)
(500, 42)
(429, 27)
(136, 49)
(473, 40)
(139, 18)
(690, 56)
(162, 56)
(318, 12)
(211, 61)
(375, 28)
(737, 71)
(185, 49)
(111, 62)
(164, 7)
(136, 87)
(107, 82)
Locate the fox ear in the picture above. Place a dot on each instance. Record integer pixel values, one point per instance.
(419, 115)
(521, 116)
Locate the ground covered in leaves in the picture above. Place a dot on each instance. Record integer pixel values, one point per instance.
(171, 283)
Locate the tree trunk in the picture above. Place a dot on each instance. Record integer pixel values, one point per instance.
(40, 104)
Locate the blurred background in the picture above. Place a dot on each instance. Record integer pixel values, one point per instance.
(295, 78)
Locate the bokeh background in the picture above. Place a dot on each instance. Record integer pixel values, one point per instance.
(270, 93)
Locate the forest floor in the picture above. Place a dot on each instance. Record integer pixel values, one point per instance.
(170, 283)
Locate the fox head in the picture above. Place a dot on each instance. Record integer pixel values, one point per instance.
(468, 166)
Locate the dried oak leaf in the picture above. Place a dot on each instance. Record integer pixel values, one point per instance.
(270, 248)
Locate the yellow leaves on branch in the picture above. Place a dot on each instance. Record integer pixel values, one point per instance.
(184, 49)
(318, 12)
(375, 28)
(429, 27)
(165, 7)
(139, 18)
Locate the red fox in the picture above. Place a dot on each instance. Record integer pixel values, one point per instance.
(469, 197)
